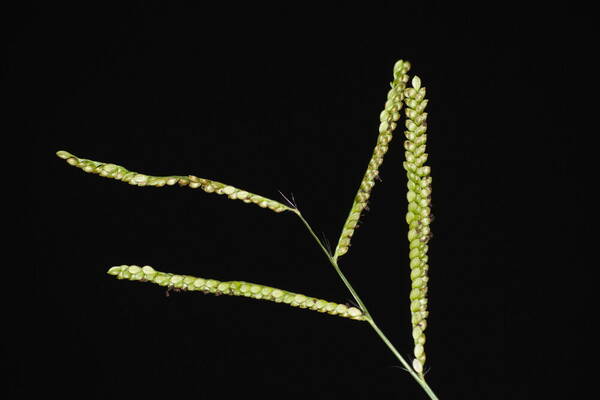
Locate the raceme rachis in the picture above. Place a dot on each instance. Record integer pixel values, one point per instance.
(418, 218)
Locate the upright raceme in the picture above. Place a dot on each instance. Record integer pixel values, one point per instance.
(419, 215)
(388, 118)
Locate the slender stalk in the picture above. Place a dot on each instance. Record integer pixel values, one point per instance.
(295, 210)
(421, 381)
(351, 289)
(333, 260)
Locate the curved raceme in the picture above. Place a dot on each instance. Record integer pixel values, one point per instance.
(134, 178)
(233, 288)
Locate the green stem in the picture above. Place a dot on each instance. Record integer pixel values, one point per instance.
(419, 378)
(312, 232)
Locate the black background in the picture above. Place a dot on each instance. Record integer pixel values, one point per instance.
(271, 99)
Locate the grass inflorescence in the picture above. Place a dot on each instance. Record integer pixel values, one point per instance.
(388, 122)
(120, 173)
(233, 288)
(418, 217)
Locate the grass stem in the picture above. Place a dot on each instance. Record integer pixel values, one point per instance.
(419, 378)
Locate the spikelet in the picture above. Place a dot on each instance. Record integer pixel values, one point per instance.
(419, 215)
(134, 178)
(233, 288)
(388, 117)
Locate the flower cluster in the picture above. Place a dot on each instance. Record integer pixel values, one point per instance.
(388, 118)
(419, 215)
(233, 288)
(135, 178)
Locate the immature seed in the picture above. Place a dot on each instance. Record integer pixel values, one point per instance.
(199, 282)
(417, 366)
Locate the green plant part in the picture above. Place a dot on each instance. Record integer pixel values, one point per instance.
(418, 218)
(419, 215)
(134, 178)
(233, 288)
(388, 118)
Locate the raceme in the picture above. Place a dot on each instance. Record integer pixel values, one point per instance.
(233, 288)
